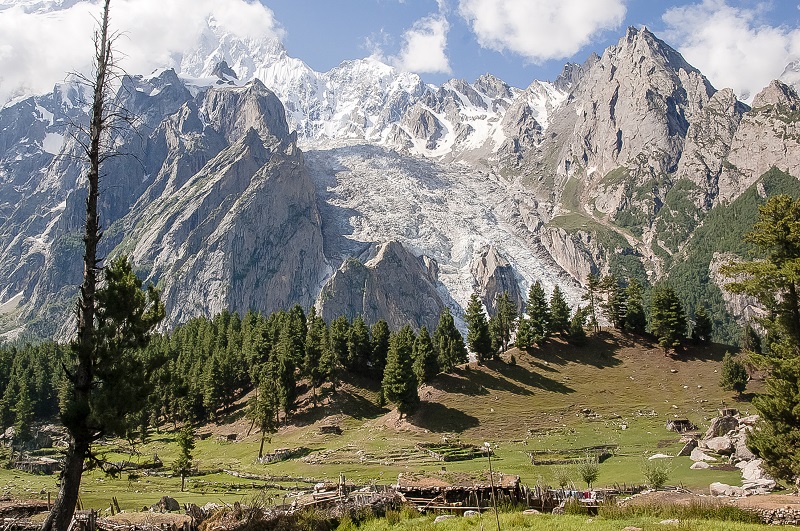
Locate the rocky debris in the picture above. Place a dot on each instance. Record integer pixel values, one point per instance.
(733, 443)
(443, 517)
(700, 465)
(782, 516)
(671, 521)
(531, 512)
(468, 514)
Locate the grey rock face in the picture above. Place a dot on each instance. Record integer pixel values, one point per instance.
(423, 125)
(390, 284)
(721, 445)
(219, 210)
(745, 307)
(768, 136)
(708, 140)
(577, 253)
(495, 275)
(636, 101)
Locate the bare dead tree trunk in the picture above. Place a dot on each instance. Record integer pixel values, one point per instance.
(84, 345)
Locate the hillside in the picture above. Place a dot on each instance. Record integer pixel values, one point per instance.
(616, 390)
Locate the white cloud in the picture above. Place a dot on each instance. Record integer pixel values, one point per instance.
(540, 29)
(38, 49)
(424, 47)
(731, 46)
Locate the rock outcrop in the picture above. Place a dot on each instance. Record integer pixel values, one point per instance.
(494, 276)
(768, 136)
(390, 283)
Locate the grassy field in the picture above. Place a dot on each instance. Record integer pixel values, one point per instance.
(615, 390)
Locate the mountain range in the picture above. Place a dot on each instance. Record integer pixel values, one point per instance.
(246, 180)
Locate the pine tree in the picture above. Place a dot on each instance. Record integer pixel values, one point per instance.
(359, 346)
(380, 347)
(285, 370)
(733, 375)
(399, 382)
(336, 353)
(263, 409)
(615, 302)
(448, 342)
(538, 313)
(635, 319)
(751, 341)
(667, 319)
(525, 338)
(316, 344)
(701, 331)
(183, 463)
(559, 312)
(212, 387)
(504, 322)
(23, 418)
(478, 337)
(426, 365)
(591, 296)
(577, 332)
(774, 282)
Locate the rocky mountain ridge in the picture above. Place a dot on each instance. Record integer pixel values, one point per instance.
(250, 181)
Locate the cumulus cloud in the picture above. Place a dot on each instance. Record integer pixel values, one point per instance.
(424, 47)
(540, 29)
(731, 46)
(39, 48)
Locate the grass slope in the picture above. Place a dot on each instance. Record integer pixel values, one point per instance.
(615, 390)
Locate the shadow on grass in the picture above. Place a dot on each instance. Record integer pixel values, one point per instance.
(529, 378)
(438, 418)
(692, 351)
(598, 351)
(342, 401)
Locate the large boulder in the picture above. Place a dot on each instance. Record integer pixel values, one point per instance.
(761, 486)
(722, 489)
(721, 425)
(688, 448)
(720, 445)
(698, 455)
(700, 465)
(165, 505)
(753, 471)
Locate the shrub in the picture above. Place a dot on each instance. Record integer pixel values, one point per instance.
(656, 473)
(562, 475)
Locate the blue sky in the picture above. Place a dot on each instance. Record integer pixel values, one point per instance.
(739, 37)
(741, 44)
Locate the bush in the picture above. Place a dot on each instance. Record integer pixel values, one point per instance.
(656, 473)
(562, 475)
